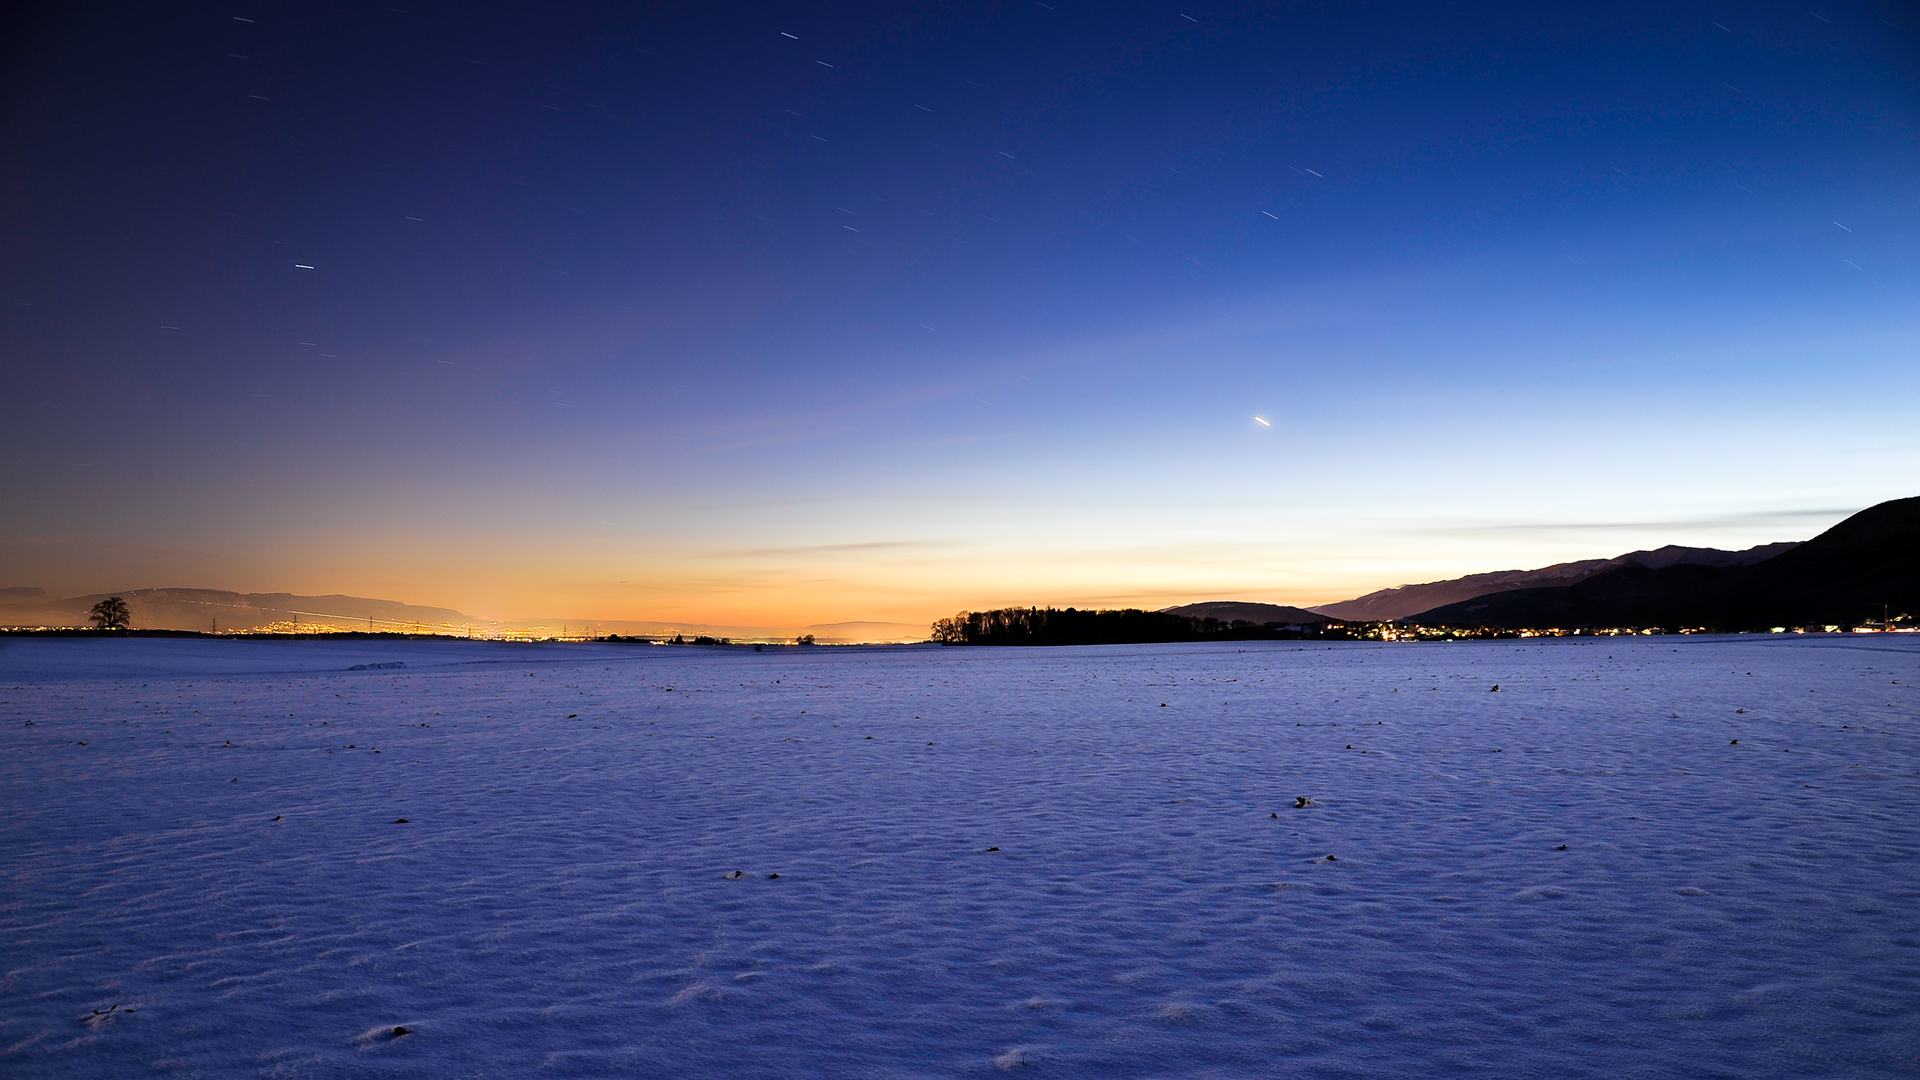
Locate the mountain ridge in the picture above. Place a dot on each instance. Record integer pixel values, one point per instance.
(1386, 605)
(1866, 565)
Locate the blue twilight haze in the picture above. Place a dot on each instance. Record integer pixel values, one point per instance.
(784, 313)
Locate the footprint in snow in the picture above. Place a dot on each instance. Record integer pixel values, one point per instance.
(1013, 1059)
(697, 992)
(1179, 1012)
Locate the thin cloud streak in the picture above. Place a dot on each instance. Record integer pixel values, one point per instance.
(830, 549)
(1758, 517)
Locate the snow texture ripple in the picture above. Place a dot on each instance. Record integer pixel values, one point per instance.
(1654, 857)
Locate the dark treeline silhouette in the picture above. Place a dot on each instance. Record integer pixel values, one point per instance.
(1124, 626)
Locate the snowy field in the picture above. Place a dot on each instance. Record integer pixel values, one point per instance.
(1657, 857)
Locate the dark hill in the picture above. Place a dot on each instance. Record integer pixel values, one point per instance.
(1843, 576)
(1232, 611)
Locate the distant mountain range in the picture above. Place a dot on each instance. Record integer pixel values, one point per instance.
(1402, 601)
(204, 609)
(207, 609)
(1847, 575)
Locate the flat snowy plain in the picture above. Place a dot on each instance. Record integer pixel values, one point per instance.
(952, 862)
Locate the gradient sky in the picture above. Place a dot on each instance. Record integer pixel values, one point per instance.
(778, 314)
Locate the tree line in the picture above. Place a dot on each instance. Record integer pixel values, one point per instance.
(1119, 626)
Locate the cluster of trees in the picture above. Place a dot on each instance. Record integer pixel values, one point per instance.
(1123, 626)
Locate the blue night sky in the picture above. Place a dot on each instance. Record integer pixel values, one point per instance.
(776, 314)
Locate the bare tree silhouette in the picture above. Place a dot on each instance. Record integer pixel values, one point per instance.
(111, 614)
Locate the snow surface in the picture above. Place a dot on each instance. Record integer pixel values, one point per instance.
(200, 842)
